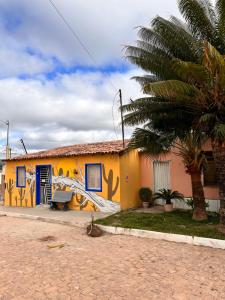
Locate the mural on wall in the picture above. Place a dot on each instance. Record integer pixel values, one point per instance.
(63, 182)
(23, 195)
(9, 188)
(109, 180)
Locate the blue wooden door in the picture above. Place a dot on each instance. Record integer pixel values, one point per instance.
(38, 186)
(43, 184)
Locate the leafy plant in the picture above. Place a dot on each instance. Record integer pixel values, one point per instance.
(146, 195)
(168, 195)
(190, 203)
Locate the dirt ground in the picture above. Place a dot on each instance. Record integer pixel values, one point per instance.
(109, 267)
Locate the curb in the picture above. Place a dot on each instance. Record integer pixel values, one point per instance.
(178, 238)
(170, 237)
(44, 219)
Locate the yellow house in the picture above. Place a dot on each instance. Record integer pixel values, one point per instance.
(103, 176)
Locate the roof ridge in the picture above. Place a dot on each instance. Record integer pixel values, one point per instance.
(104, 147)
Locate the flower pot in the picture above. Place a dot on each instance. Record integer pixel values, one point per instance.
(168, 207)
(145, 204)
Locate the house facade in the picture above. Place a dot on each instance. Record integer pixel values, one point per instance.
(103, 176)
(169, 172)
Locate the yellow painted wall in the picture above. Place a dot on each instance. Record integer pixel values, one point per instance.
(27, 197)
(130, 179)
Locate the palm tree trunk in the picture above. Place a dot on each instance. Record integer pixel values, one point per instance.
(199, 212)
(219, 158)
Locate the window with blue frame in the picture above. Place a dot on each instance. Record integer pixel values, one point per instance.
(93, 177)
(21, 176)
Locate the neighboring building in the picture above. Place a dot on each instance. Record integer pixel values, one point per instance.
(169, 172)
(104, 177)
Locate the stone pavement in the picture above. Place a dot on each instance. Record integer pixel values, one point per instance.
(70, 217)
(110, 267)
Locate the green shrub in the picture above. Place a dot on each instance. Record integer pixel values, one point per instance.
(145, 195)
(190, 203)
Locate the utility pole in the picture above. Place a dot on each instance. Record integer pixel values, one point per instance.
(8, 150)
(24, 147)
(122, 123)
(7, 124)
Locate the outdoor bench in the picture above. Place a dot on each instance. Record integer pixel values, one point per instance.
(61, 197)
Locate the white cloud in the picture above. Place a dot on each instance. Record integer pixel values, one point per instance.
(75, 107)
(103, 26)
(71, 109)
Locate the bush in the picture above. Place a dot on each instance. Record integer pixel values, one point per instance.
(146, 195)
(190, 203)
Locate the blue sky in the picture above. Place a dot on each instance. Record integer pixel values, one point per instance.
(50, 90)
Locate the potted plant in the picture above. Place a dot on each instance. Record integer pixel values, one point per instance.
(167, 195)
(146, 196)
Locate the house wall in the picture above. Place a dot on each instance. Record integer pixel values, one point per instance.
(64, 167)
(179, 179)
(130, 180)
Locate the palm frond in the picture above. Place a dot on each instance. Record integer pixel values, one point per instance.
(151, 143)
(143, 80)
(192, 73)
(189, 148)
(200, 17)
(173, 89)
(175, 39)
(206, 118)
(151, 60)
(219, 132)
(220, 9)
(213, 60)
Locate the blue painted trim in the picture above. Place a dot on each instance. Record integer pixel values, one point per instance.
(38, 190)
(17, 175)
(86, 178)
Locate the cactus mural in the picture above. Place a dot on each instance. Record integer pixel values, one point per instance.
(109, 180)
(9, 188)
(31, 190)
(80, 199)
(59, 187)
(22, 193)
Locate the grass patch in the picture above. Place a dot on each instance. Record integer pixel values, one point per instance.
(179, 222)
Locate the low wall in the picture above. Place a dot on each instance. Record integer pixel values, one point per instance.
(214, 205)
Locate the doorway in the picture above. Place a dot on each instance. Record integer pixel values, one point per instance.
(161, 171)
(43, 184)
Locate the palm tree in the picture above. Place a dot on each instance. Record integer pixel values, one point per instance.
(188, 147)
(157, 50)
(201, 92)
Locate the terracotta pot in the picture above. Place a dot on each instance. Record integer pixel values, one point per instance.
(168, 207)
(145, 204)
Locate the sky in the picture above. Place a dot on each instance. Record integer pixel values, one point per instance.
(52, 93)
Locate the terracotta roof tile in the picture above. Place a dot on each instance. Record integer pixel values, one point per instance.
(111, 147)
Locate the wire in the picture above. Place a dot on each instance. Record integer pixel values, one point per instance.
(88, 52)
(76, 36)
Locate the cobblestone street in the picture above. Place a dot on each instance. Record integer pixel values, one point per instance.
(109, 267)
